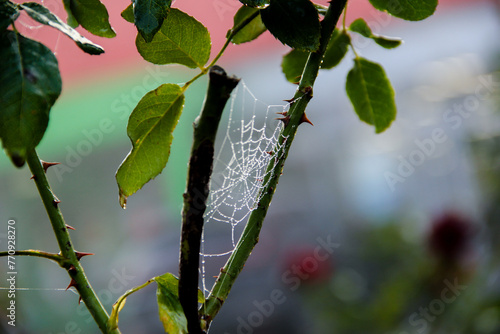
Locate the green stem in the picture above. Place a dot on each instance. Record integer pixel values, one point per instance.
(71, 262)
(205, 126)
(231, 33)
(250, 235)
(31, 252)
(344, 18)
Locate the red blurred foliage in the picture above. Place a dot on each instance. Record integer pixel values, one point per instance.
(450, 236)
(305, 264)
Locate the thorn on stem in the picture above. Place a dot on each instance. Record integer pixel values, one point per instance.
(305, 119)
(72, 283)
(285, 120)
(70, 227)
(79, 299)
(46, 165)
(56, 202)
(79, 255)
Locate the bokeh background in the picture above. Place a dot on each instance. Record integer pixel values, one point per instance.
(390, 233)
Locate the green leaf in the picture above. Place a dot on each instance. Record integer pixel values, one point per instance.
(293, 22)
(170, 310)
(411, 10)
(388, 43)
(371, 94)
(149, 16)
(112, 323)
(150, 129)
(71, 20)
(293, 65)
(128, 13)
(41, 14)
(256, 3)
(252, 30)
(293, 62)
(30, 84)
(8, 14)
(169, 281)
(363, 29)
(172, 283)
(336, 49)
(115, 312)
(92, 15)
(180, 40)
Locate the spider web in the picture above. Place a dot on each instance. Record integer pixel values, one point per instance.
(244, 151)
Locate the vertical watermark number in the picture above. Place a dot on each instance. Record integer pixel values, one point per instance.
(12, 272)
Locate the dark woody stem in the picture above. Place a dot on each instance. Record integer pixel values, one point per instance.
(205, 126)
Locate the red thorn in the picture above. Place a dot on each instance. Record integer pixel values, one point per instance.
(290, 100)
(284, 113)
(79, 255)
(79, 299)
(70, 227)
(72, 283)
(46, 165)
(305, 119)
(32, 177)
(55, 202)
(285, 120)
(270, 152)
(71, 268)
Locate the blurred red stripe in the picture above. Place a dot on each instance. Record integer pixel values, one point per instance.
(121, 53)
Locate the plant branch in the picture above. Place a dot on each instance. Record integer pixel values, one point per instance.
(205, 126)
(230, 34)
(31, 252)
(71, 259)
(250, 235)
(344, 18)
